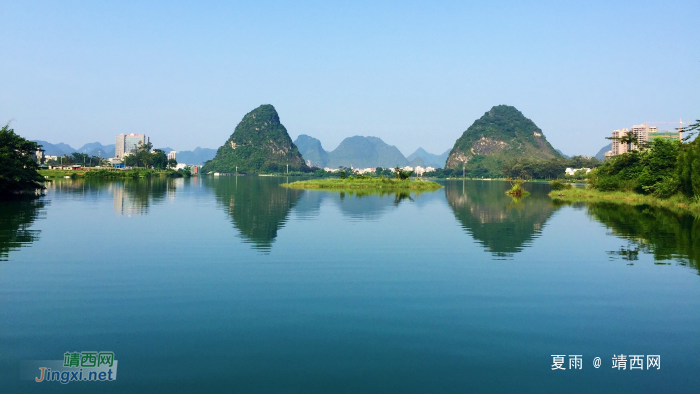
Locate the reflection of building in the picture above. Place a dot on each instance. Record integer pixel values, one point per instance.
(171, 155)
(125, 204)
(126, 143)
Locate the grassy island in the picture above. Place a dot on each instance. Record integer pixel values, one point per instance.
(367, 183)
(593, 195)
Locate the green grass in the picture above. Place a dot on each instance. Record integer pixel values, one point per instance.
(372, 183)
(592, 195)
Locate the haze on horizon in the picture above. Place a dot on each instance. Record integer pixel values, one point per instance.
(416, 74)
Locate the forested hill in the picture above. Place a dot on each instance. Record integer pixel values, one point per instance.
(503, 133)
(259, 144)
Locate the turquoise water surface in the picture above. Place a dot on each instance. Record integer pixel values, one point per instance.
(235, 284)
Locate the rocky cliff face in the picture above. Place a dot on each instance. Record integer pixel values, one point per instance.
(501, 134)
(259, 144)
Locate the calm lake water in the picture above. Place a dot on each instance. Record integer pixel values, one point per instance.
(235, 284)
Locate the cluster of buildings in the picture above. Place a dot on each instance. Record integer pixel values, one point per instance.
(418, 170)
(643, 133)
(125, 145)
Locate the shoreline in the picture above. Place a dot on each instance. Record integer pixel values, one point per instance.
(588, 195)
(372, 183)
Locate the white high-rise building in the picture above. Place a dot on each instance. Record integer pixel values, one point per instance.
(641, 132)
(127, 143)
(172, 155)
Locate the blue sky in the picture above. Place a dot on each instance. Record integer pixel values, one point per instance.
(415, 74)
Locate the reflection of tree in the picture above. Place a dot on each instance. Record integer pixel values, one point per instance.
(134, 197)
(16, 216)
(258, 206)
(666, 234)
(494, 219)
(131, 196)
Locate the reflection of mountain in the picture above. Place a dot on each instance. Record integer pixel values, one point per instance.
(16, 217)
(665, 234)
(490, 216)
(357, 205)
(258, 206)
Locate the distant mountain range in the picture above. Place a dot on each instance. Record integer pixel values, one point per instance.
(197, 156)
(601, 153)
(363, 152)
(424, 159)
(92, 149)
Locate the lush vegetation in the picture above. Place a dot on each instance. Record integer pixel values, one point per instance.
(106, 173)
(516, 189)
(663, 168)
(526, 168)
(260, 144)
(18, 166)
(144, 156)
(502, 134)
(364, 183)
(559, 185)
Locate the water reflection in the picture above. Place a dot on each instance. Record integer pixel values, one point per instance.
(357, 205)
(16, 218)
(131, 196)
(504, 226)
(258, 206)
(134, 197)
(666, 234)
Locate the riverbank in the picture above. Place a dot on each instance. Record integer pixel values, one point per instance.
(104, 173)
(592, 195)
(371, 183)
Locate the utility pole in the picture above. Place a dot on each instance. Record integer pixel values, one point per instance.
(287, 169)
(462, 171)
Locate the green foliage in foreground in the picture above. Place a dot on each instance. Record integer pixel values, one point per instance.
(663, 169)
(559, 185)
(517, 190)
(18, 168)
(365, 183)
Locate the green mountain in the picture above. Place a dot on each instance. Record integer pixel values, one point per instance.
(503, 133)
(260, 144)
(312, 151)
(363, 152)
(428, 159)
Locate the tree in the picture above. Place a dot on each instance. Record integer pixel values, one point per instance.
(172, 163)
(402, 174)
(629, 139)
(159, 160)
(141, 156)
(18, 167)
